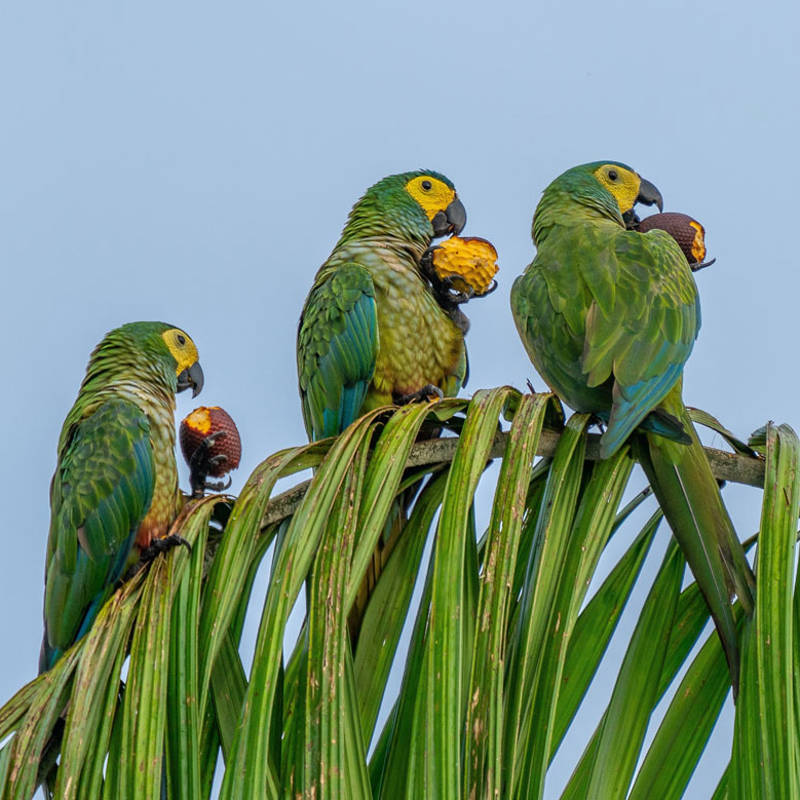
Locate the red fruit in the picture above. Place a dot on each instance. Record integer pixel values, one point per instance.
(203, 422)
(687, 232)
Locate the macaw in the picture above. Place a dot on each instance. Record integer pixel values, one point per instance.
(115, 489)
(609, 317)
(371, 331)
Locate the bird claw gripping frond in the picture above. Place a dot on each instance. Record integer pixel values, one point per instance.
(201, 464)
(164, 545)
(422, 394)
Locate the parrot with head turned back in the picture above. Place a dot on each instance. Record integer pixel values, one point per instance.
(372, 332)
(609, 317)
(115, 492)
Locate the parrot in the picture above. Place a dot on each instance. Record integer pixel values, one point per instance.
(372, 332)
(115, 491)
(609, 316)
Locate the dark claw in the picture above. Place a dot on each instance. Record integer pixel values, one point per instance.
(423, 394)
(164, 545)
(201, 464)
(702, 265)
(530, 386)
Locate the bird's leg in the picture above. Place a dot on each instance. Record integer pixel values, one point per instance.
(163, 545)
(530, 386)
(201, 464)
(423, 394)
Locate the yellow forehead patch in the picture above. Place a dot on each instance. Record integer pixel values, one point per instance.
(181, 346)
(622, 183)
(431, 193)
(699, 241)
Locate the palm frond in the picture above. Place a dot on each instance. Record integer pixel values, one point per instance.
(506, 637)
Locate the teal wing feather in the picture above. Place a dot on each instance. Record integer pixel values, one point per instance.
(640, 327)
(337, 346)
(101, 490)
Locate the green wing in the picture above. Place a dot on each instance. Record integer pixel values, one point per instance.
(100, 493)
(640, 327)
(337, 345)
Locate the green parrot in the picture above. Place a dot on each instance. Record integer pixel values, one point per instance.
(115, 488)
(371, 332)
(609, 317)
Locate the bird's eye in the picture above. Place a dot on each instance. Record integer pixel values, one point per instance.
(426, 185)
(612, 175)
(181, 339)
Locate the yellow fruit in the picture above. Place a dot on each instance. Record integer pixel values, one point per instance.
(469, 263)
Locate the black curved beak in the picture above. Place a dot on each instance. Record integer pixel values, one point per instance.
(191, 376)
(649, 195)
(451, 220)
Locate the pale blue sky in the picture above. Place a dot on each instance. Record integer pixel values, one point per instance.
(195, 162)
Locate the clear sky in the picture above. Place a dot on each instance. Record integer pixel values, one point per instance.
(195, 162)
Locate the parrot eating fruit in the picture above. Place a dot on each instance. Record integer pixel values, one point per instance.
(115, 488)
(609, 317)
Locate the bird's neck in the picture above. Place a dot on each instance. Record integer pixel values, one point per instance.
(557, 210)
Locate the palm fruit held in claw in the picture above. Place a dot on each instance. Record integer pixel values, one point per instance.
(469, 262)
(205, 421)
(687, 232)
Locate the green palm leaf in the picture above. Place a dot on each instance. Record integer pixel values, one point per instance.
(506, 637)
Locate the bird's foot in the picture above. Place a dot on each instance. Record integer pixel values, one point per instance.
(201, 464)
(530, 386)
(426, 264)
(631, 220)
(163, 545)
(449, 293)
(423, 394)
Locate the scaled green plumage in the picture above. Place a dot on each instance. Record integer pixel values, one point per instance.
(609, 317)
(371, 331)
(116, 480)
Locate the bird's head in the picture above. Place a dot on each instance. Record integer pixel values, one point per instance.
(610, 187)
(416, 206)
(148, 352)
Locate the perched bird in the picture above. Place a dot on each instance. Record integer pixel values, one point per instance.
(371, 331)
(115, 488)
(609, 317)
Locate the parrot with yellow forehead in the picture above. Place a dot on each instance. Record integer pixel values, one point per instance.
(609, 317)
(371, 331)
(115, 490)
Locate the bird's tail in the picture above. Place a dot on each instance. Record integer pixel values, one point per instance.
(689, 495)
